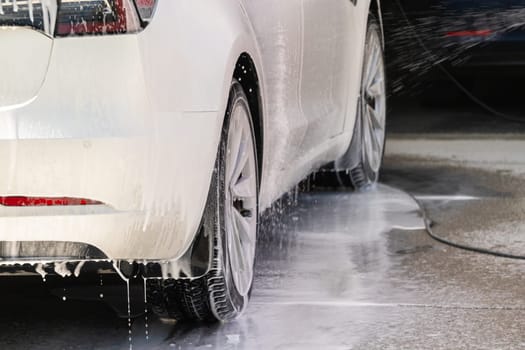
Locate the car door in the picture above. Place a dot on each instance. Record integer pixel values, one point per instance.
(328, 38)
(278, 29)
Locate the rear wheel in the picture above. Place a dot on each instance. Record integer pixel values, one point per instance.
(362, 162)
(230, 219)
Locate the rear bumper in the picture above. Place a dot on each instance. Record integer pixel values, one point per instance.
(99, 128)
(153, 194)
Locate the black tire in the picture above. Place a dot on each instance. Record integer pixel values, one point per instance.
(213, 297)
(353, 169)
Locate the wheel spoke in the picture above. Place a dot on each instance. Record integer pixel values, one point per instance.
(376, 144)
(366, 133)
(232, 229)
(243, 227)
(375, 148)
(373, 64)
(374, 118)
(372, 75)
(376, 87)
(242, 159)
(234, 146)
(239, 246)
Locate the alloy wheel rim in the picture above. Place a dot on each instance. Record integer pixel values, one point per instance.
(373, 104)
(241, 198)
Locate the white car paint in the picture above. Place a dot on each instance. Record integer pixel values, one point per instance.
(134, 120)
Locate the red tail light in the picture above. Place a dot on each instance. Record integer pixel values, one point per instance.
(20, 201)
(96, 17)
(470, 33)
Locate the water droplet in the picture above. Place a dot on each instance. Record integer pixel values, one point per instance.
(101, 296)
(41, 271)
(146, 326)
(129, 314)
(78, 268)
(64, 298)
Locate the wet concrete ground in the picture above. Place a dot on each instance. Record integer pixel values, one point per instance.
(345, 270)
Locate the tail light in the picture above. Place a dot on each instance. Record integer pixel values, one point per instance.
(21, 201)
(78, 17)
(96, 17)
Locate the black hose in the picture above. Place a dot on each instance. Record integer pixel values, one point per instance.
(472, 248)
(428, 226)
(469, 94)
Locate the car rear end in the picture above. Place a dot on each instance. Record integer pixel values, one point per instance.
(95, 166)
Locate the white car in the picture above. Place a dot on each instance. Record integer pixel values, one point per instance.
(156, 131)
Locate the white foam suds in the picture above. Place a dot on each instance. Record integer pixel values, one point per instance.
(146, 324)
(40, 270)
(78, 268)
(62, 270)
(130, 338)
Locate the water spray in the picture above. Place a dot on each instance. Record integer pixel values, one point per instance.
(449, 75)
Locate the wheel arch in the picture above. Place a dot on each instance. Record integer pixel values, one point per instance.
(241, 61)
(198, 256)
